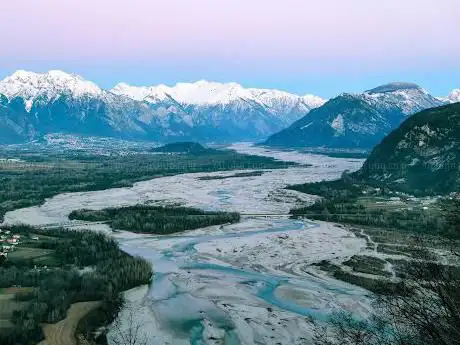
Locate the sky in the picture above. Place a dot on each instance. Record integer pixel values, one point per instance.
(323, 47)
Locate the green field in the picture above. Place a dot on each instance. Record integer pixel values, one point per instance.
(38, 256)
(35, 251)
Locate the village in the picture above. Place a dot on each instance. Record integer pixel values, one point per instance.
(9, 242)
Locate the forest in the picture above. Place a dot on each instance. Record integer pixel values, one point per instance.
(161, 220)
(89, 266)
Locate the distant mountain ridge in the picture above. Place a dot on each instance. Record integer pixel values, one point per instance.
(356, 121)
(224, 111)
(36, 104)
(421, 156)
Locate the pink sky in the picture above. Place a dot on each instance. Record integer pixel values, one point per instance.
(247, 28)
(324, 35)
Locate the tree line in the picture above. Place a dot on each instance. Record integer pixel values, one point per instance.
(161, 220)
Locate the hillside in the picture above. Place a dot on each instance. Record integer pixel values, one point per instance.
(421, 156)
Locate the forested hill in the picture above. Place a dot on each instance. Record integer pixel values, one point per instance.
(188, 147)
(422, 156)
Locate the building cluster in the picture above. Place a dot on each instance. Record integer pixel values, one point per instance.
(8, 242)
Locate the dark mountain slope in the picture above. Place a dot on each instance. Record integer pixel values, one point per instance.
(422, 156)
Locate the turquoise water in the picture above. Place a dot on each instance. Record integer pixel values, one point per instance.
(183, 312)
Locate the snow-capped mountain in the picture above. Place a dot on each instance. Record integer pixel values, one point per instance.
(207, 93)
(48, 86)
(224, 111)
(212, 104)
(454, 96)
(356, 121)
(34, 104)
(408, 98)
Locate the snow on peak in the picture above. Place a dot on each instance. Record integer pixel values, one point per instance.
(408, 98)
(141, 93)
(275, 98)
(22, 74)
(314, 101)
(205, 92)
(30, 85)
(136, 93)
(454, 96)
(209, 93)
(200, 93)
(392, 87)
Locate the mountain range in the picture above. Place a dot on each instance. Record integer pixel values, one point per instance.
(357, 121)
(33, 104)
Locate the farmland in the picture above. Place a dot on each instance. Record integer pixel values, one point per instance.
(63, 332)
(48, 271)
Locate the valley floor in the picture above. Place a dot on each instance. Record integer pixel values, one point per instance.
(246, 283)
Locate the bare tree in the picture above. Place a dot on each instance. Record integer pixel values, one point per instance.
(429, 306)
(346, 329)
(423, 310)
(128, 329)
(451, 213)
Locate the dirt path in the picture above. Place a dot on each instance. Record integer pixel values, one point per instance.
(63, 332)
